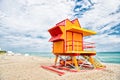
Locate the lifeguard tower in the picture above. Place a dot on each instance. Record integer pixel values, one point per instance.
(69, 47)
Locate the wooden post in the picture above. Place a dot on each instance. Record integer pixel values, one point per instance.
(75, 62)
(56, 58)
(91, 60)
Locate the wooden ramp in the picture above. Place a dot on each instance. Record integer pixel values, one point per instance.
(58, 69)
(62, 70)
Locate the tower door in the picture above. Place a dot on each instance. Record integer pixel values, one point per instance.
(69, 41)
(74, 41)
(77, 41)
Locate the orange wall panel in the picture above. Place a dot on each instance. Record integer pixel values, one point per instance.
(58, 47)
(77, 36)
(69, 36)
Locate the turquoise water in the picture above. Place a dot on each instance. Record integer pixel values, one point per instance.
(109, 57)
(106, 57)
(42, 54)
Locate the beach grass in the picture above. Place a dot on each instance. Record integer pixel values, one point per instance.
(2, 52)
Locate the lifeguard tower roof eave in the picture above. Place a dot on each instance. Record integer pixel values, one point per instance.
(55, 33)
(85, 32)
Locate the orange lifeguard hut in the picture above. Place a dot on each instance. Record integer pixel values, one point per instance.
(69, 46)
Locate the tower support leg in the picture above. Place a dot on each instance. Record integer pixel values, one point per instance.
(91, 60)
(56, 58)
(75, 62)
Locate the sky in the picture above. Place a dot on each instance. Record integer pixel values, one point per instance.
(24, 24)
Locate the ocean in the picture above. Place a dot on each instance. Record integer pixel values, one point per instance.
(106, 57)
(109, 57)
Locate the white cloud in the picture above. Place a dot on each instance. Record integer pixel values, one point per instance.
(103, 18)
(24, 23)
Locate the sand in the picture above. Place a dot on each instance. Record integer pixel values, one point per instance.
(19, 67)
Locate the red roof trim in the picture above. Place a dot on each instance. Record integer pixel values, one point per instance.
(74, 20)
(55, 31)
(55, 38)
(62, 23)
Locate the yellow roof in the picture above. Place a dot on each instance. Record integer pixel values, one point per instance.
(74, 26)
(85, 32)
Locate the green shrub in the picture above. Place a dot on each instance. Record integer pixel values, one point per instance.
(2, 52)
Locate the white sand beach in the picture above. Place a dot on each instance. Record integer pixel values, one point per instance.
(19, 67)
